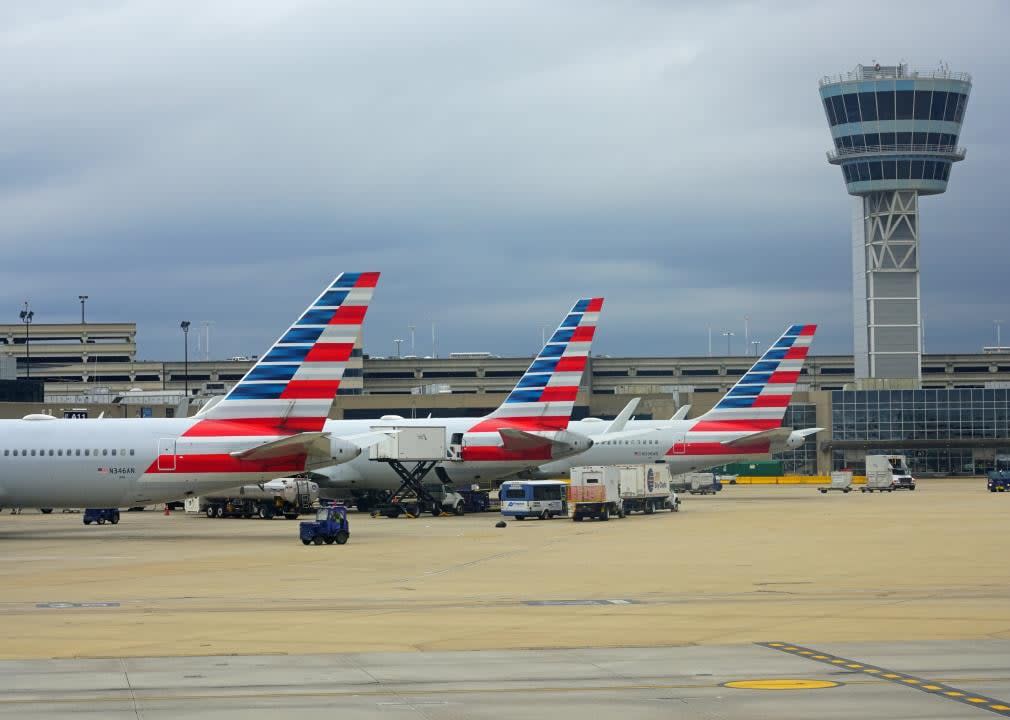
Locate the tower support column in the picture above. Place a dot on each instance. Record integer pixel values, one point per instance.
(885, 259)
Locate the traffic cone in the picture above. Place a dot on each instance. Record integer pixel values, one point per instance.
(168, 510)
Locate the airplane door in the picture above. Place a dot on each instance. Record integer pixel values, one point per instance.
(166, 454)
(679, 444)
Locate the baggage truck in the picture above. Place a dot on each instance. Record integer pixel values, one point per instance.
(646, 488)
(594, 491)
(289, 497)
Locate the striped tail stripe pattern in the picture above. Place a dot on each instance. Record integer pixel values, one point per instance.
(291, 388)
(757, 402)
(544, 397)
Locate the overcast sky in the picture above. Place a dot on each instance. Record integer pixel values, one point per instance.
(223, 159)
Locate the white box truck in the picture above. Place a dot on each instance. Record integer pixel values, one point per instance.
(646, 488)
(595, 491)
(887, 473)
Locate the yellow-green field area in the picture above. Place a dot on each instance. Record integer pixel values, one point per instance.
(751, 564)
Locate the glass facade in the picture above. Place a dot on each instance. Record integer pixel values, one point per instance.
(802, 460)
(917, 141)
(937, 105)
(979, 417)
(899, 169)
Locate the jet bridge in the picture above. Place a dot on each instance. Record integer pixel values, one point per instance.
(412, 451)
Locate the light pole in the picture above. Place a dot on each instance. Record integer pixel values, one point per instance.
(412, 350)
(996, 324)
(83, 299)
(397, 341)
(728, 335)
(26, 316)
(754, 347)
(185, 354)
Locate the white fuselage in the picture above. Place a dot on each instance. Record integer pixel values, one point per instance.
(666, 442)
(120, 462)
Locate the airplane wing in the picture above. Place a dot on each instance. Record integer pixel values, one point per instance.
(310, 443)
(775, 435)
(366, 440)
(681, 413)
(621, 420)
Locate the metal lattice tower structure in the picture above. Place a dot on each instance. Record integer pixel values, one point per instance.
(895, 137)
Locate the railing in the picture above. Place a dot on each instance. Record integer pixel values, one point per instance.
(891, 73)
(948, 151)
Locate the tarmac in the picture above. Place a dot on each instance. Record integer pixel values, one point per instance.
(452, 617)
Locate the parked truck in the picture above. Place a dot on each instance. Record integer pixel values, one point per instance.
(998, 479)
(595, 491)
(696, 483)
(646, 488)
(886, 473)
(289, 497)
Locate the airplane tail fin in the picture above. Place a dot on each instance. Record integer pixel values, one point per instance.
(291, 388)
(759, 399)
(544, 397)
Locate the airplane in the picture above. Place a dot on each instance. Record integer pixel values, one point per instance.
(747, 421)
(527, 430)
(270, 424)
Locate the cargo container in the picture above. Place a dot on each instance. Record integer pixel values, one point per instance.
(410, 444)
(595, 492)
(646, 488)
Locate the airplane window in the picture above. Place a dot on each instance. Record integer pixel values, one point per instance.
(132, 452)
(33, 453)
(122, 452)
(60, 453)
(24, 452)
(50, 453)
(6, 453)
(113, 451)
(105, 452)
(87, 452)
(77, 452)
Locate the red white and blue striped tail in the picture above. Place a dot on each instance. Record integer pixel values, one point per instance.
(760, 398)
(291, 388)
(544, 397)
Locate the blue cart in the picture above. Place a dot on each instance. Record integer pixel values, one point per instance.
(330, 526)
(100, 516)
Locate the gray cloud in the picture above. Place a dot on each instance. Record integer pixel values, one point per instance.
(222, 160)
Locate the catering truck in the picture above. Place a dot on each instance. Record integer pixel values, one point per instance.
(595, 492)
(885, 473)
(646, 488)
(289, 497)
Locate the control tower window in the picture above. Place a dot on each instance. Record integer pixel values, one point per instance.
(887, 139)
(830, 110)
(889, 169)
(939, 103)
(875, 172)
(919, 138)
(959, 113)
(858, 142)
(903, 169)
(852, 106)
(868, 105)
(885, 105)
(904, 100)
(839, 106)
(951, 109)
(916, 173)
(904, 138)
(923, 103)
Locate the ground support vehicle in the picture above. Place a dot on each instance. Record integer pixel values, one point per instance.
(998, 479)
(435, 497)
(841, 481)
(100, 516)
(289, 497)
(475, 501)
(330, 526)
(646, 488)
(543, 499)
(887, 473)
(595, 492)
(703, 484)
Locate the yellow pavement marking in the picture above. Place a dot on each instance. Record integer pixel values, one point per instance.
(890, 675)
(954, 693)
(977, 700)
(1000, 707)
(871, 670)
(781, 684)
(854, 665)
(931, 687)
(820, 657)
(910, 681)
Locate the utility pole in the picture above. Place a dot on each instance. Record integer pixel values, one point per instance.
(185, 354)
(26, 316)
(413, 350)
(397, 341)
(83, 299)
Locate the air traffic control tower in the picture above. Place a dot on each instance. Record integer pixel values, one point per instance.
(895, 135)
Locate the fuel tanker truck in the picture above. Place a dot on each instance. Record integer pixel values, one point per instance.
(289, 497)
